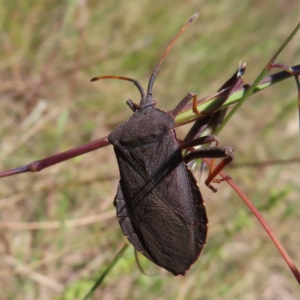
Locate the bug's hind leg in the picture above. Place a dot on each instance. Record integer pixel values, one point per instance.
(227, 153)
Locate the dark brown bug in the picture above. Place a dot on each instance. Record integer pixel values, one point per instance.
(159, 205)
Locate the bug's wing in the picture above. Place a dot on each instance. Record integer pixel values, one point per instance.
(162, 203)
(160, 235)
(126, 225)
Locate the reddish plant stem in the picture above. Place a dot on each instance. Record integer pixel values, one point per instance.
(264, 224)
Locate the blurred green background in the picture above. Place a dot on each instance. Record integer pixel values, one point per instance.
(49, 51)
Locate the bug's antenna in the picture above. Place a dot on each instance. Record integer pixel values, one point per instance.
(135, 82)
(147, 100)
(152, 78)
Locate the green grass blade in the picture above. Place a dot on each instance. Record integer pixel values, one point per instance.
(257, 80)
(188, 115)
(106, 272)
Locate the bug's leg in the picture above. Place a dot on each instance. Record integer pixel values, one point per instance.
(227, 153)
(183, 103)
(193, 96)
(57, 158)
(191, 140)
(286, 68)
(224, 92)
(290, 70)
(214, 119)
(296, 74)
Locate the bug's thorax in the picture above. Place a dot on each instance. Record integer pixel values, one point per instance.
(145, 126)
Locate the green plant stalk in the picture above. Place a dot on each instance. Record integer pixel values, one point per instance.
(210, 106)
(257, 80)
